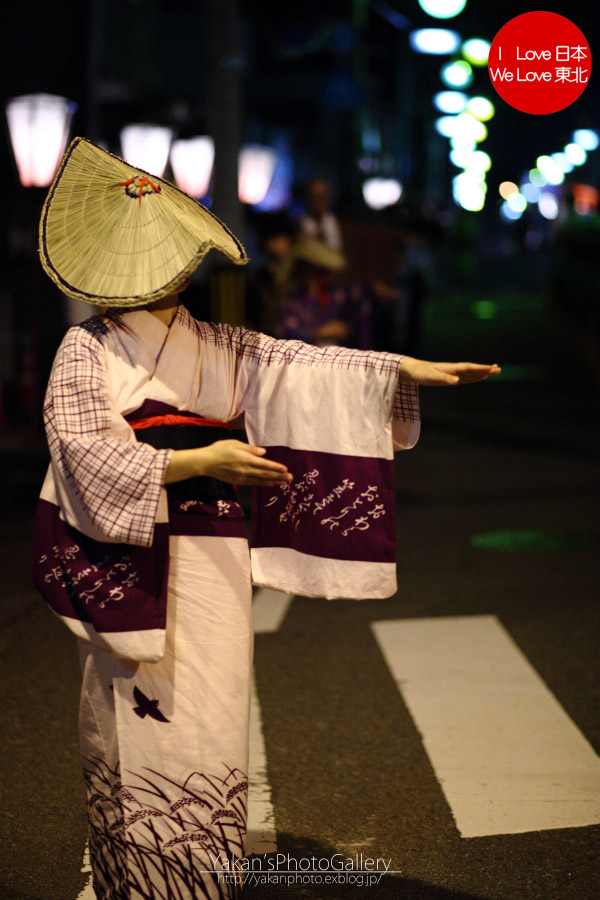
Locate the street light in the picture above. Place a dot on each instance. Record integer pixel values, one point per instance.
(147, 147)
(255, 171)
(192, 163)
(38, 125)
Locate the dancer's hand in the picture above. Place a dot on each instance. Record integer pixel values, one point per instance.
(439, 373)
(232, 461)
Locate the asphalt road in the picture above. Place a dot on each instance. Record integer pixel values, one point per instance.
(346, 762)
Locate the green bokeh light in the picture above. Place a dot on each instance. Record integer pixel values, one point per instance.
(531, 540)
(483, 309)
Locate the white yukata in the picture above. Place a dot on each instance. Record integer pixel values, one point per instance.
(158, 588)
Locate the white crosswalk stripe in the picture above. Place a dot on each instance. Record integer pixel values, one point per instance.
(269, 609)
(506, 754)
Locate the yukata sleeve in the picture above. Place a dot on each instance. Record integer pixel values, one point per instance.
(334, 417)
(260, 363)
(102, 474)
(406, 415)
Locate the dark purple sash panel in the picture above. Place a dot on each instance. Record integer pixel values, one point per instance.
(337, 507)
(115, 587)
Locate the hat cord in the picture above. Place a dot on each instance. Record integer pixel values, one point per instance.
(143, 181)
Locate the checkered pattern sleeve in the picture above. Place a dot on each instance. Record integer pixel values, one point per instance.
(265, 350)
(116, 480)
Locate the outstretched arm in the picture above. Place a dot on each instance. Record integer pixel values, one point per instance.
(443, 373)
(232, 461)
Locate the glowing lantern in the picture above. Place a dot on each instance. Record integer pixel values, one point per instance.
(192, 163)
(147, 147)
(255, 172)
(381, 192)
(39, 128)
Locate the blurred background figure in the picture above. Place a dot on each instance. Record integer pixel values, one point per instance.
(319, 309)
(318, 220)
(270, 282)
(397, 311)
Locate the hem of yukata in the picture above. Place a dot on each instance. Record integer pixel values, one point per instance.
(146, 646)
(320, 577)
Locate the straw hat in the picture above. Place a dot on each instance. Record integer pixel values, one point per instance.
(114, 235)
(318, 253)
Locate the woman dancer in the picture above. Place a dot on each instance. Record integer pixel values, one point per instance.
(139, 542)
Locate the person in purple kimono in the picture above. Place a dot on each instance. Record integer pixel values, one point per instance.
(139, 543)
(318, 308)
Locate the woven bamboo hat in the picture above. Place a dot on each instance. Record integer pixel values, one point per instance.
(318, 253)
(114, 235)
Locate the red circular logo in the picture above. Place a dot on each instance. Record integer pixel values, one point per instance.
(540, 62)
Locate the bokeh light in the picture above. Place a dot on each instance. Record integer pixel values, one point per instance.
(479, 161)
(462, 143)
(460, 158)
(446, 126)
(457, 74)
(536, 177)
(575, 154)
(451, 102)
(562, 162)
(548, 205)
(481, 108)
(586, 138)
(476, 51)
(442, 9)
(531, 192)
(509, 213)
(434, 40)
(469, 127)
(378, 193)
(550, 170)
(517, 202)
(507, 188)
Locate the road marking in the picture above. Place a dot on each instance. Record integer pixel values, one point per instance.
(88, 892)
(269, 609)
(261, 816)
(506, 754)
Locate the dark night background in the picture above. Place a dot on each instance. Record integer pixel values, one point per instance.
(516, 455)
